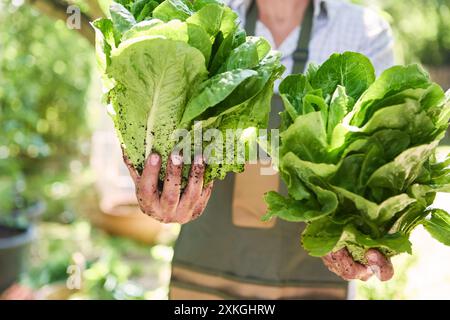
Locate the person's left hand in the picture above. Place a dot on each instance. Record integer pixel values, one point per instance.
(170, 204)
(342, 264)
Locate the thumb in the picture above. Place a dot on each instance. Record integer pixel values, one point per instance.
(379, 264)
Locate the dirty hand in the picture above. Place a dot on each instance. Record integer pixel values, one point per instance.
(170, 205)
(342, 264)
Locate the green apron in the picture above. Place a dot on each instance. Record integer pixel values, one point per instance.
(215, 247)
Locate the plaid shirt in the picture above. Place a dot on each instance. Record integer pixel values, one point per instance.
(338, 26)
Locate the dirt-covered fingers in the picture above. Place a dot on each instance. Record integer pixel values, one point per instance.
(147, 189)
(342, 264)
(192, 194)
(203, 201)
(131, 169)
(170, 195)
(380, 265)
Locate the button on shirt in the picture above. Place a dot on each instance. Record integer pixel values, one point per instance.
(338, 26)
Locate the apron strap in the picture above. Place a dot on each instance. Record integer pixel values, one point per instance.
(252, 18)
(301, 54)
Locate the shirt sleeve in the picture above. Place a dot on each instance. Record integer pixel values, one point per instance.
(377, 41)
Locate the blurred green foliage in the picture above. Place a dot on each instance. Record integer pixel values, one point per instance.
(112, 267)
(421, 27)
(45, 72)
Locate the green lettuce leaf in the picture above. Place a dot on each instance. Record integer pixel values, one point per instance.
(392, 81)
(438, 225)
(172, 9)
(215, 90)
(146, 124)
(351, 70)
(121, 18)
(321, 237)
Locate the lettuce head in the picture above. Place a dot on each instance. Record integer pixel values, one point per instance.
(359, 156)
(169, 64)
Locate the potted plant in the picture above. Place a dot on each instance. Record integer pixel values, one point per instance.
(17, 214)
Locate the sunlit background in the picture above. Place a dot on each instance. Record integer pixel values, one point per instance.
(63, 182)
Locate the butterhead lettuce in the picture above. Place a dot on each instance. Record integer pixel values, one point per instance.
(358, 156)
(168, 64)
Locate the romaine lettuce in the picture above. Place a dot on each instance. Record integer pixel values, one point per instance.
(358, 155)
(167, 64)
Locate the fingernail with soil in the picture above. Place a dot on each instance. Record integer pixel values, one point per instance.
(376, 270)
(176, 159)
(154, 159)
(198, 159)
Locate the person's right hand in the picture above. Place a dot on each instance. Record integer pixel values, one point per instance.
(170, 205)
(342, 264)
